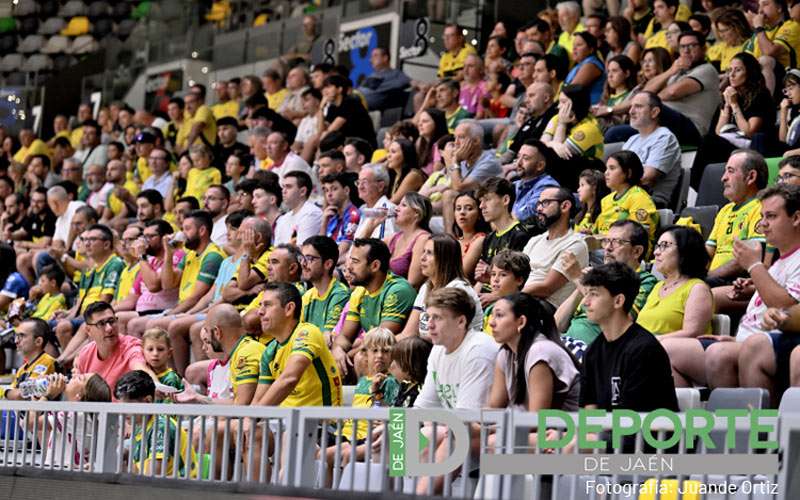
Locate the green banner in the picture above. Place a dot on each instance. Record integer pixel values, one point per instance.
(397, 447)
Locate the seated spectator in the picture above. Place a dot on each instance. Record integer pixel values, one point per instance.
(158, 355)
(468, 166)
(51, 299)
(412, 222)
(752, 358)
(775, 39)
(267, 200)
(747, 110)
(373, 184)
(198, 120)
(452, 61)
(120, 204)
(732, 30)
(380, 298)
(626, 242)
(541, 109)
(620, 82)
(308, 128)
(473, 86)
(588, 71)
(30, 339)
(591, 190)
(497, 85)
(574, 135)
(625, 367)
(14, 285)
(340, 218)
(99, 189)
(227, 143)
(38, 225)
(108, 354)
(384, 87)
(303, 218)
(496, 198)
(202, 174)
(656, 146)
(355, 154)
(91, 152)
(344, 111)
(296, 84)
(124, 298)
(532, 166)
(509, 272)
(441, 265)
(789, 171)
(681, 304)
(284, 160)
(673, 31)
(618, 33)
(788, 122)
(404, 172)
(324, 301)
(540, 30)
(627, 198)
(432, 126)
(150, 206)
(225, 106)
(745, 174)
(569, 20)
(548, 376)
(498, 50)
(547, 279)
(664, 14)
(470, 230)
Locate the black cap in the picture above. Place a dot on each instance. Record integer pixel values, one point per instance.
(145, 137)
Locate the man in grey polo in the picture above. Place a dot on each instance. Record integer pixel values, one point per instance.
(656, 146)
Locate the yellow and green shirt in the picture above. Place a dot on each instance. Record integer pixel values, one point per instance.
(324, 311)
(320, 384)
(99, 281)
(786, 34)
(276, 100)
(199, 180)
(449, 64)
(391, 302)
(585, 137)
(223, 109)
(203, 268)
(362, 398)
(734, 221)
(166, 431)
(126, 279)
(202, 115)
(41, 366)
(48, 305)
(37, 147)
(634, 204)
(244, 362)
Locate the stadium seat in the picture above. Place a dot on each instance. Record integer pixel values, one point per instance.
(101, 28)
(710, 192)
(680, 196)
(73, 8)
(665, 218)
(703, 215)
(52, 26)
(609, 149)
(125, 28)
(688, 398)
(8, 43)
(25, 8)
(31, 44)
(772, 168)
(37, 63)
(16, 78)
(98, 10)
(48, 8)
(57, 45)
(735, 398)
(8, 25)
(721, 325)
(62, 61)
(84, 44)
(27, 26)
(77, 26)
(11, 62)
(790, 401)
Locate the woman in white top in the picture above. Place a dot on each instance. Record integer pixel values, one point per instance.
(534, 370)
(442, 265)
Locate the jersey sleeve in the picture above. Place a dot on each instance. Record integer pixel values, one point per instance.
(338, 300)
(111, 277)
(265, 375)
(262, 264)
(398, 303)
(551, 126)
(209, 268)
(751, 230)
(355, 302)
(307, 342)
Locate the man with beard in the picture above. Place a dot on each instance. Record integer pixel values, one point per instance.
(98, 187)
(149, 206)
(323, 303)
(91, 152)
(38, 226)
(121, 202)
(215, 202)
(533, 178)
(195, 273)
(380, 298)
(548, 279)
(13, 215)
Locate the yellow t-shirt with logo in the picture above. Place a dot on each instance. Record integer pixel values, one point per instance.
(37, 147)
(244, 362)
(449, 63)
(39, 367)
(115, 204)
(723, 53)
(223, 109)
(48, 305)
(203, 267)
(786, 34)
(734, 221)
(320, 384)
(202, 115)
(634, 204)
(585, 137)
(199, 180)
(99, 281)
(126, 279)
(277, 99)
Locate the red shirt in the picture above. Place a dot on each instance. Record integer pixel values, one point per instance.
(127, 357)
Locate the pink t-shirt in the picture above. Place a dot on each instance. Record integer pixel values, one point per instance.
(127, 357)
(159, 301)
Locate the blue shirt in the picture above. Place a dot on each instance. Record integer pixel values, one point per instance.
(528, 192)
(227, 271)
(486, 166)
(596, 90)
(15, 286)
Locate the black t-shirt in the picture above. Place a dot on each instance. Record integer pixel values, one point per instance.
(39, 226)
(221, 154)
(761, 106)
(514, 238)
(533, 128)
(631, 373)
(357, 120)
(640, 25)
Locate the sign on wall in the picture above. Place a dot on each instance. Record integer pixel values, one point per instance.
(358, 38)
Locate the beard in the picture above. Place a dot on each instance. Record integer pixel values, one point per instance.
(360, 281)
(546, 221)
(192, 243)
(216, 345)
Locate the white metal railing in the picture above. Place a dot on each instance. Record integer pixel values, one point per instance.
(281, 446)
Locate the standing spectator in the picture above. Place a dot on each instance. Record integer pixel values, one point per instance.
(473, 86)
(384, 88)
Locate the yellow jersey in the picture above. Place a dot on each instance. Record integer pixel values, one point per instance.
(37, 147)
(75, 137)
(734, 221)
(320, 384)
(38, 367)
(634, 204)
(149, 449)
(99, 281)
(244, 362)
(277, 99)
(202, 115)
(199, 180)
(203, 268)
(449, 64)
(565, 39)
(786, 34)
(126, 279)
(223, 109)
(48, 305)
(723, 53)
(585, 137)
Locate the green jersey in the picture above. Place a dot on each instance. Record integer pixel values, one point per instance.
(323, 311)
(391, 302)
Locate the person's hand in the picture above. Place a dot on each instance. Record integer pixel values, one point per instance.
(742, 289)
(755, 19)
(598, 110)
(448, 154)
(139, 248)
(746, 252)
(487, 298)
(377, 382)
(56, 383)
(786, 103)
(571, 267)
(565, 115)
(122, 193)
(464, 151)
(482, 271)
(248, 241)
(730, 95)
(330, 212)
(343, 361)
(681, 64)
(56, 252)
(562, 150)
(774, 319)
(430, 97)
(187, 395)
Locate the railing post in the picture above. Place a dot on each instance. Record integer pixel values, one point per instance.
(106, 443)
(303, 450)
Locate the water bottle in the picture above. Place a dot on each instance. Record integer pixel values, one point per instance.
(378, 212)
(34, 388)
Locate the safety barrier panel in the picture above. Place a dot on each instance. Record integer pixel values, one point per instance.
(492, 457)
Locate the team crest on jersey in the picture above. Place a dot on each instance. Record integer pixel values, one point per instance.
(240, 364)
(391, 300)
(40, 369)
(641, 215)
(579, 136)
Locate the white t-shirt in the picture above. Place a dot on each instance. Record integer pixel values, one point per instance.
(60, 427)
(419, 305)
(292, 162)
(219, 234)
(382, 231)
(99, 200)
(545, 254)
(63, 221)
(306, 129)
(461, 379)
(786, 271)
(306, 223)
(566, 388)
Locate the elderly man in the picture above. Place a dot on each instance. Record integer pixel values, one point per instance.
(467, 165)
(373, 182)
(569, 19)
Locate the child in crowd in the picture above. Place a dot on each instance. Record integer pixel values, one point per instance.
(157, 351)
(591, 189)
(53, 300)
(137, 387)
(496, 86)
(409, 367)
(509, 272)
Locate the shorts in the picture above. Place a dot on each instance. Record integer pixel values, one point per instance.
(75, 322)
(149, 312)
(783, 345)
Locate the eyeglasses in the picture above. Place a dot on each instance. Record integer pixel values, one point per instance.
(150, 236)
(91, 239)
(104, 322)
(664, 245)
(542, 203)
(128, 241)
(786, 177)
(688, 46)
(614, 242)
(309, 259)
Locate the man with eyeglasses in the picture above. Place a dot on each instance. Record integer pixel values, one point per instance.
(124, 298)
(30, 339)
(97, 284)
(789, 171)
(324, 302)
(108, 353)
(689, 90)
(160, 177)
(626, 242)
(548, 280)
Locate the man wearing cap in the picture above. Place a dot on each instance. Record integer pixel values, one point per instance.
(144, 142)
(227, 131)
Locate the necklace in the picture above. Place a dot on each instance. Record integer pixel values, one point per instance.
(671, 286)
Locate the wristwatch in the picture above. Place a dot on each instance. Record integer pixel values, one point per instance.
(760, 29)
